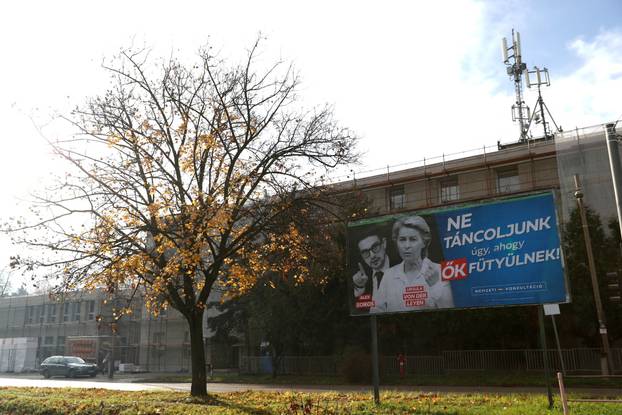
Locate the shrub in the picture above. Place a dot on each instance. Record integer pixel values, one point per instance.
(356, 368)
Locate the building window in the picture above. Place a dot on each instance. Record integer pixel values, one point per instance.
(75, 312)
(66, 311)
(51, 313)
(450, 190)
(136, 312)
(397, 198)
(30, 314)
(41, 313)
(91, 310)
(49, 340)
(507, 180)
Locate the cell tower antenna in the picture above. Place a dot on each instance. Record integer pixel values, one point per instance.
(538, 78)
(515, 68)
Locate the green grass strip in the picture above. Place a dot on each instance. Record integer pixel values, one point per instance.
(49, 401)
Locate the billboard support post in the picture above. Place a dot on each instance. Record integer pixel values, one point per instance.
(553, 310)
(374, 359)
(602, 326)
(559, 348)
(545, 355)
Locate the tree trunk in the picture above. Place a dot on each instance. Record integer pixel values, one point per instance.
(197, 353)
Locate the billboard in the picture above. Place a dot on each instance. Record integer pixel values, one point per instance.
(494, 253)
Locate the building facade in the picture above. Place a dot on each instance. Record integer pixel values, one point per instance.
(515, 169)
(34, 327)
(522, 167)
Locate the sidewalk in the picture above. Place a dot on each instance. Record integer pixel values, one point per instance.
(152, 380)
(103, 377)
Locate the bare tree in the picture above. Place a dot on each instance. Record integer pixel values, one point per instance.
(177, 179)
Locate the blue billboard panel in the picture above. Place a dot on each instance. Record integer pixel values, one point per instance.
(496, 253)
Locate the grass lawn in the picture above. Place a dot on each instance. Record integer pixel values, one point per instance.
(39, 401)
(450, 379)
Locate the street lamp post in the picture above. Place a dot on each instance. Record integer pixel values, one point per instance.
(616, 169)
(602, 326)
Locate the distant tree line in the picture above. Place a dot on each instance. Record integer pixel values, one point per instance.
(312, 317)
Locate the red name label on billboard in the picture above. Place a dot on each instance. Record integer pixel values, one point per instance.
(414, 296)
(364, 301)
(455, 269)
(414, 303)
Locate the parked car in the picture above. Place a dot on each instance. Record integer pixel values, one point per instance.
(68, 366)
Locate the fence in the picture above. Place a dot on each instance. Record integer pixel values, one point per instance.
(162, 358)
(21, 357)
(575, 361)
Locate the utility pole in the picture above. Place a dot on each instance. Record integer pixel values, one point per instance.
(113, 330)
(111, 322)
(602, 326)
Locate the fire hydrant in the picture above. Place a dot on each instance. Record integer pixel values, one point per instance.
(401, 360)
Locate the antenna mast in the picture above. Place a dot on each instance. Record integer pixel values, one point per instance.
(538, 78)
(515, 67)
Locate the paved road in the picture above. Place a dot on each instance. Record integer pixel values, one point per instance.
(135, 384)
(75, 383)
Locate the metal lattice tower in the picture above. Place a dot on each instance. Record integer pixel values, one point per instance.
(515, 68)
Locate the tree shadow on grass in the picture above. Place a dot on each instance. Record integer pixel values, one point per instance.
(212, 400)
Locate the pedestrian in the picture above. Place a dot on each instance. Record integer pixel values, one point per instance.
(105, 363)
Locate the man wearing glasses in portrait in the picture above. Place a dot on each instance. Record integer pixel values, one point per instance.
(372, 248)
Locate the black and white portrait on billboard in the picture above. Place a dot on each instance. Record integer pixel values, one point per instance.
(415, 283)
(372, 262)
(392, 269)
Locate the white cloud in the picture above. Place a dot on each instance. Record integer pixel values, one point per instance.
(591, 93)
(394, 71)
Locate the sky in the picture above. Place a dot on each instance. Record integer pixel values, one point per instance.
(414, 80)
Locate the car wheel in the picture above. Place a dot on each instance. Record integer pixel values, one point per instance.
(46, 374)
(93, 375)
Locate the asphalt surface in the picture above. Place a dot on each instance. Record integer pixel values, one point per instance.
(141, 382)
(75, 383)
